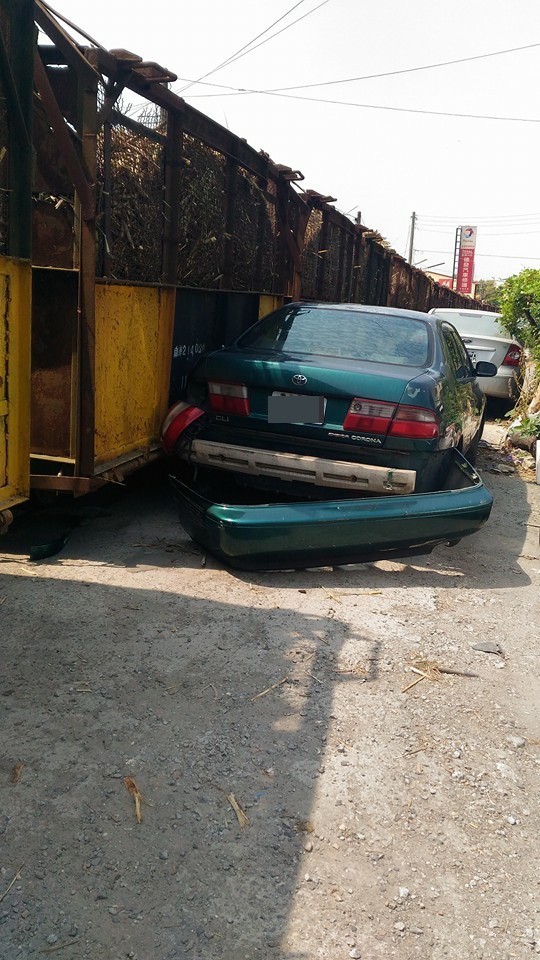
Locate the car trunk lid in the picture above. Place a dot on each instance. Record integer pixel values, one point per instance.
(487, 349)
(258, 378)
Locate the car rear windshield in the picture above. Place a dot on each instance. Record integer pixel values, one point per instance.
(348, 334)
(471, 322)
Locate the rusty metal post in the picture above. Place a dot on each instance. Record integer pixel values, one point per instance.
(79, 172)
(370, 281)
(349, 266)
(384, 280)
(88, 129)
(302, 218)
(17, 77)
(290, 209)
(231, 176)
(341, 261)
(282, 223)
(321, 265)
(171, 206)
(107, 198)
(356, 265)
(262, 184)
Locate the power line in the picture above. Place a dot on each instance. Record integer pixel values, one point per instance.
(498, 256)
(394, 73)
(493, 219)
(484, 233)
(369, 76)
(488, 225)
(374, 106)
(509, 233)
(450, 227)
(492, 229)
(243, 51)
(442, 233)
(435, 113)
(488, 229)
(348, 212)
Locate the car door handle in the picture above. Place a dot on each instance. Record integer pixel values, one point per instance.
(466, 339)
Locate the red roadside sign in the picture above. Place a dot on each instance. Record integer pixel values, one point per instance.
(465, 271)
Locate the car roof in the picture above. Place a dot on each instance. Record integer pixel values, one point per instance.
(468, 311)
(365, 308)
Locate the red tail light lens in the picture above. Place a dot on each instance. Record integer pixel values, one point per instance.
(178, 419)
(374, 416)
(369, 416)
(415, 423)
(513, 357)
(229, 398)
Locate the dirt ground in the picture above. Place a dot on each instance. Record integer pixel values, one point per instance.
(382, 823)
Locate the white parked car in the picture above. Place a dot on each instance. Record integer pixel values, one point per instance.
(486, 339)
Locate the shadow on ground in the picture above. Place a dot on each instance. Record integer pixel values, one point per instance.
(109, 512)
(120, 659)
(100, 682)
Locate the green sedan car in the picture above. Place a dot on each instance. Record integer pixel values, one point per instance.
(331, 433)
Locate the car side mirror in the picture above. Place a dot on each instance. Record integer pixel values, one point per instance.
(485, 369)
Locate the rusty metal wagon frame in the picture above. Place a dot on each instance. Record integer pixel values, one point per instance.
(154, 237)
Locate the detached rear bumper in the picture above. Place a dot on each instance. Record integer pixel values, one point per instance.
(306, 534)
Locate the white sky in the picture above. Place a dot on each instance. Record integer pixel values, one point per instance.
(383, 163)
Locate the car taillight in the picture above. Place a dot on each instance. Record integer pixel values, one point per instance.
(228, 398)
(369, 416)
(513, 356)
(373, 416)
(178, 419)
(415, 423)
(175, 411)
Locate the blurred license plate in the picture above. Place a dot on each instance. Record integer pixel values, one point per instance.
(472, 356)
(293, 408)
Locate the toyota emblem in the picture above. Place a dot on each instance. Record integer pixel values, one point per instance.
(299, 378)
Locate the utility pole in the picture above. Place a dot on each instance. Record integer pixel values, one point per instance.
(411, 241)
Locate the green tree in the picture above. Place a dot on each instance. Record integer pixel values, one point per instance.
(488, 291)
(520, 308)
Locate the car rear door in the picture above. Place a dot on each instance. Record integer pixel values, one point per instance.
(463, 399)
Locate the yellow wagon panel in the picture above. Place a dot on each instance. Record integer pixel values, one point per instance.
(132, 366)
(269, 302)
(15, 313)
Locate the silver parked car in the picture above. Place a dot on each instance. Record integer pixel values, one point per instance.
(486, 339)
